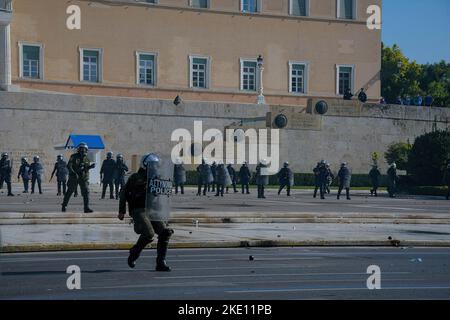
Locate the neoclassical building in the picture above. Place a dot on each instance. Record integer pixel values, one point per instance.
(202, 50)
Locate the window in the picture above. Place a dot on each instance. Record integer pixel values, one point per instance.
(250, 5)
(30, 61)
(146, 68)
(298, 78)
(299, 7)
(90, 61)
(248, 75)
(199, 72)
(345, 78)
(199, 3)
(346, 9)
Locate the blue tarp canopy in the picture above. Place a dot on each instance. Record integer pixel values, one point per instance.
(94, 142)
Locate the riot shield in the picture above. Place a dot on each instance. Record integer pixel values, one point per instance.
(291, 178)
(159, 187)
(228, 181)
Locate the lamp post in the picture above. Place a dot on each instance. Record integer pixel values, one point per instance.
(260, 62)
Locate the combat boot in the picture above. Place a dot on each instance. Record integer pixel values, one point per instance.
(161, 249)
(63, 208)
(136, 250)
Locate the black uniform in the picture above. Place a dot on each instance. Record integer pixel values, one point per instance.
(205, 177)
(285, 179)
(134, 193)
(61, 171)
(214, 174)
(244, 177)
(392, 181)
(78, 166)
(179, 177)
(119, 176)
(233, 177)
(5, 173)
(262, 180)
(320, 178)
(330, 178)
(107, 173)
(344, 176)
(36, 172)
(24, 174)
(374, 176)
(447, 182)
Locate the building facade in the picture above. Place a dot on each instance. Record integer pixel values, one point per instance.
(203, 50)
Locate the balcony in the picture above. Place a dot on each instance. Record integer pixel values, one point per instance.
(5, 12)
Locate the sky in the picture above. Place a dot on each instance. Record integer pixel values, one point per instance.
(420, 27)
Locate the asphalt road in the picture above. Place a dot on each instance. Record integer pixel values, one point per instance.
(224, 274)
(300, 201)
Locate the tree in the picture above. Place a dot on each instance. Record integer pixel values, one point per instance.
(400, 77)
(398, 153)
(429, 157)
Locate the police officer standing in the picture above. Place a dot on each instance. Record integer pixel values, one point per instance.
(244, 177)
(330, 178)
(134, 193)
(233, 176)
(214, 174)
(61, 171)
(344, 177)
(447, 180)
(36, 171)
(223, 179)
(320, 177)
(262, 179)
(119, 174)
(392, 180)
(79, 166)
(285, 178)
(179, 175)
(374, 176)
(24, 173)
(107, 175)
(6, 172)
(205, 177)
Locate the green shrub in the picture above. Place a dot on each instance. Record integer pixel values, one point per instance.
(398, 153)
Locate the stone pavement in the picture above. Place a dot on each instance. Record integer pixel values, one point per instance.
(33, 223)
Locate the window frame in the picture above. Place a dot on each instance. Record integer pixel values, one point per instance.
(21, 44)
(258, 7)
(208, 5)
(305, 76)
(241, 74)
(308, 9)
(207, 70)
(338, 9)
(138, 53)
(353, 78)
(99, 66)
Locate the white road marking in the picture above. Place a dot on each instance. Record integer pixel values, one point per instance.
(334, 289)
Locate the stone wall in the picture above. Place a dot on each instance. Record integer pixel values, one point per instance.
(40, 123)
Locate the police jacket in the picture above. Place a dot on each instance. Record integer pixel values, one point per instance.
(107, 169)
(61, 170)
(244, 175)
(5, 167)
(36, 169)
(24, 171)
(79, 166)
(134, 192)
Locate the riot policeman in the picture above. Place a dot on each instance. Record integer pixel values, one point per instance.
(447, 181)
(285, 178)
(222, 179)
(392, 180)
(61, 171)
(36, 172)
(244, 177)
(330, 178)
(344, 176)
(205, 177)
(6, 172)
(233, 177)
(24, 173)
(214, 174)
(374, 175)
(262, 179)
(320, 178)
(135, 194)
(179, 175)
(107, 175)
(119, 174)
(79, 166)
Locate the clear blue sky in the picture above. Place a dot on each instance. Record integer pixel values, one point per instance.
(420, 27)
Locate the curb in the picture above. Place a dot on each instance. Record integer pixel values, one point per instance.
(225, 244)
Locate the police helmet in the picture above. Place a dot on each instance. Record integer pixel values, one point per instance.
(286, 164)
(394, 165)
(24, 159)
(119, 156)
(109, 155)
(82, 145)
(60, 156)
(4, 154)
(264, 162)
(343, 164)
(36, 158)
(148, 159)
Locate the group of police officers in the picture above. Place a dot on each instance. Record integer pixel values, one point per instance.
(215, 177)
